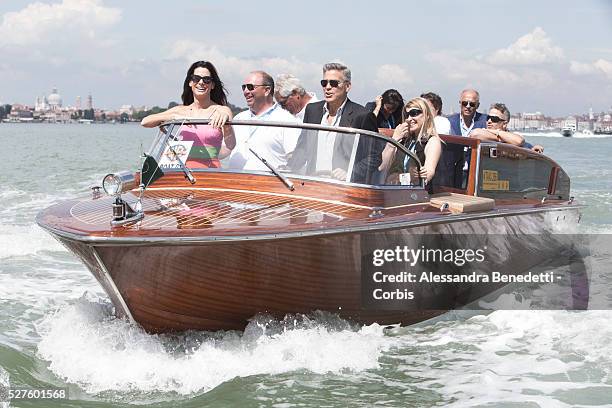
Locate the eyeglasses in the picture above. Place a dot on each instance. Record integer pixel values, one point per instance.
(333, 82)
(495, 119)
(469, 104)
(251, 87)
(414, 112)
(282, 101)
(196, 78)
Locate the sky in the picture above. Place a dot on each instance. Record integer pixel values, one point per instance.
(549, 56)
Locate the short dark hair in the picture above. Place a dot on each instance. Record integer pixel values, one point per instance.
(392, 96)
(435, 100)
(218, 94)
(502, 108)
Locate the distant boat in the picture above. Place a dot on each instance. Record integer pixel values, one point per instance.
(567, 131)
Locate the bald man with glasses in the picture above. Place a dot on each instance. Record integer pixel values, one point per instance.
(469, 118)
(455, 158)
(274, 144)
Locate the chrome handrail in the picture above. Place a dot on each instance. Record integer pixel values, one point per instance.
(313, 126)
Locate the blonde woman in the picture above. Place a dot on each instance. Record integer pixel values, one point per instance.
(418, 133)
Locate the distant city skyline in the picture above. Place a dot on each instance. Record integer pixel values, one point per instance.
(548, 56)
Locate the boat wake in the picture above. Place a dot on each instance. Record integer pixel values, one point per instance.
(550, 351)
(84, 344)
(4, 386)
(23, 240)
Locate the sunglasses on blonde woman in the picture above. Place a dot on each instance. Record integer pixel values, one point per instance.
(413, 113)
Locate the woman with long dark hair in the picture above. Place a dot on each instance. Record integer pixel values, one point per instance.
(204, 97)
(387, 108)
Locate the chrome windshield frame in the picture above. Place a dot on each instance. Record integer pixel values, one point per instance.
(166, 129)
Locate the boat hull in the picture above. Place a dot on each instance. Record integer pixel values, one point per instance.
(220, 285)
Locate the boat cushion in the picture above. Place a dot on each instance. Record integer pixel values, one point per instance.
(460, 203)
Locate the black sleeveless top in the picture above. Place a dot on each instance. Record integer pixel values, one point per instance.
(402, 163)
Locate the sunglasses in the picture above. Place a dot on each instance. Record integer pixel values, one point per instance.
(251, 87)
(413, 113)
(469, 104)
(196, 78)
(332, 82)
(495, 119)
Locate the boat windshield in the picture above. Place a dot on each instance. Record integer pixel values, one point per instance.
(287, 150)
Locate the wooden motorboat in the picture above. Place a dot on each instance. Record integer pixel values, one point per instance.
(207, 249)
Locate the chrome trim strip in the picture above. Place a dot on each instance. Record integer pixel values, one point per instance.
(111, 241)
(112, 286)
(296, 176)
(284, 195)
(305, 198)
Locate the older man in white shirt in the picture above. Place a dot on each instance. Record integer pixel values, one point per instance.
(292, 96)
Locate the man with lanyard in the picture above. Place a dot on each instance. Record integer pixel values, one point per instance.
(329, 153)
(461, 125)
(274, 144)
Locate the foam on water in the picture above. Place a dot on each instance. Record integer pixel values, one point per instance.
(16, 240)
(4, 386)
(84, 344)
(547, 357)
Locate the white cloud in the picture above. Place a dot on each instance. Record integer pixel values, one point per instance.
(189, 51)
(530, 49)
(581, 68)
(473, 72)
(68, 21)
(599, 67)
(233, 69)
(392, 76)
(604, 66)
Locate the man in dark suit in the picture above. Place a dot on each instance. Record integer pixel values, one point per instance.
(330, 153)
(454, 157)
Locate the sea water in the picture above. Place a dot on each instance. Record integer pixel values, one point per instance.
(57, 328)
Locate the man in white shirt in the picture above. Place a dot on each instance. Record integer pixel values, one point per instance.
(292, 96)
(442, 124)
(274, 144)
